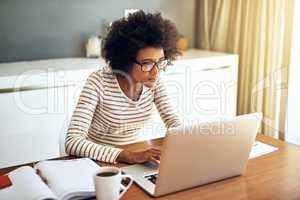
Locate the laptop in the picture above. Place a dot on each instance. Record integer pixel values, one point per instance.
(199, 153)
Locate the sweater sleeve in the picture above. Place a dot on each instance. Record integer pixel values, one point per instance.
(76, 142)
(164, 106)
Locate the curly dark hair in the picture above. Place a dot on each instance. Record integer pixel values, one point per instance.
(127, 36)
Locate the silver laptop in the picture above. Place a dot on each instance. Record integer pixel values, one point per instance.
(198, 154)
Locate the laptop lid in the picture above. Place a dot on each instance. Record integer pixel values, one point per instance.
(205, 152)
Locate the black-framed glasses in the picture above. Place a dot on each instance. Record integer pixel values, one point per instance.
(147, 66)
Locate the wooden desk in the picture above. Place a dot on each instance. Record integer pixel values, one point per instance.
(272, 176)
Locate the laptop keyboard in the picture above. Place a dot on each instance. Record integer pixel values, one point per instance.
(152, 178)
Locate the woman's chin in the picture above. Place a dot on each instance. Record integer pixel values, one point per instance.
(150, 84)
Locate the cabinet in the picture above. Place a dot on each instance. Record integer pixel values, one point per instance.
(34, 118)
(201, 85)
(31, 123)
(36, 101)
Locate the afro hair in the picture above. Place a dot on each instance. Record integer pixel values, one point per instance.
(127, 36)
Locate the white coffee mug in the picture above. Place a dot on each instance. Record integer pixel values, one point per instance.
(108, 184)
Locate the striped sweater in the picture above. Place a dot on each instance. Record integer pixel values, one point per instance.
(105, 116)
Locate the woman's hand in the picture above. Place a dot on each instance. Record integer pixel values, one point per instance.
(150, 154)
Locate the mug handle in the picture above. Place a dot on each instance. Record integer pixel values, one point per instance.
(125, 188)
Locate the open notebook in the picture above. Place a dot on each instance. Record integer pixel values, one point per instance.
(63, 179)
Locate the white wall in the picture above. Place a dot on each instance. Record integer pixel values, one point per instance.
(293, 118)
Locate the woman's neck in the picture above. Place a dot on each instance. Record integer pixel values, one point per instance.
(131, 88)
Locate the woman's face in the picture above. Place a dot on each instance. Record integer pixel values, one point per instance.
(147, 56)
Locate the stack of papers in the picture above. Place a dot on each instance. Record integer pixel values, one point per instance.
(259, 149)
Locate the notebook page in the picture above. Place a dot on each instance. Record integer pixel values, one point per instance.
(26, 185)
(68, 177)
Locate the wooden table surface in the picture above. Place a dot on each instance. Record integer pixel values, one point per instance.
(272, 176)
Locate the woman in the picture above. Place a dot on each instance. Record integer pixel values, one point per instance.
(117, 100)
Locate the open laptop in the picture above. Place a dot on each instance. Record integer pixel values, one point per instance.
(198, 154)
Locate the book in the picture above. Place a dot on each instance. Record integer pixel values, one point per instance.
(53, 179)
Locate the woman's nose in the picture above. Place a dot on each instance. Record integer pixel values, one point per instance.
(154, 71)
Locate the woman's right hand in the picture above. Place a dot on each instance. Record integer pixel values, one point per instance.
(151, 154)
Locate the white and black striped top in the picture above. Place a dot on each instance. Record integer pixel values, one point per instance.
(105, 116)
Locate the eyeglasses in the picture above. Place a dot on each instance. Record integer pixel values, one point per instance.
(147, 66)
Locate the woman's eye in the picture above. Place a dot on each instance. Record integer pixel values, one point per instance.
(148, 64)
